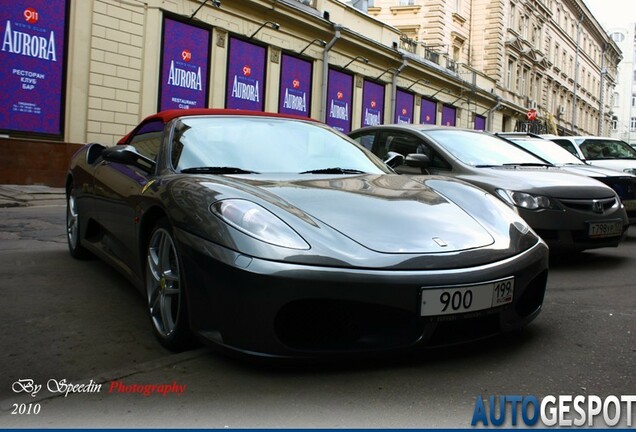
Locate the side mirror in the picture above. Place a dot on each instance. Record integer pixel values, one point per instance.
(94, 152)
(128, 155)
(394, 159)
(417, 160)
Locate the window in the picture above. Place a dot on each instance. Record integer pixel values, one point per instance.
(633, 100)
(633, 124)
(405, 144)
(617, 37)
(566, 145)
(512, 16)
(457, 51)
(536, 37)
(522, 26)
(147, 138)
(407, 2)
(564, 58)
(615, 98)
(511, 65)
(537, 88)
(366, 140)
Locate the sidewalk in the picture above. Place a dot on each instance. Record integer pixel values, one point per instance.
(30, 195)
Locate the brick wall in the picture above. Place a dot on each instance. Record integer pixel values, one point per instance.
(28, 162)
(115, 71)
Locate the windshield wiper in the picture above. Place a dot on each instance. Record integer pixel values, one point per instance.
(529, 164)
(217, 170)
(335, 170)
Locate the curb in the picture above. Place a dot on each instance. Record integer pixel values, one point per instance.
(30, 195)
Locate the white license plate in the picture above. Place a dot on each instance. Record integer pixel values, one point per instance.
(605, 229)
(466, 298)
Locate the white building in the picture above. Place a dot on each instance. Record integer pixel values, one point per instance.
(624, 98)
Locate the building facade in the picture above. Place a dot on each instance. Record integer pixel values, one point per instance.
(548, 55)
(624, 100)
(94, 70)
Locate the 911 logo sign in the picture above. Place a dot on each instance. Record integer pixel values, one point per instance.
(339, 95)
(403, 111)
(31, 15)
(296, 83)
(247, 70)
(186, 55)
(373, 104)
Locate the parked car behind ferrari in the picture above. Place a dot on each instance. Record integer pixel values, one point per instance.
(570, 212)
(271, 235)
(606, 152)
(623, 183)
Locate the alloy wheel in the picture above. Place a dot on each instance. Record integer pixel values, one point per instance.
(163, 282)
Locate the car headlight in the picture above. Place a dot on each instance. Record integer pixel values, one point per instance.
(508, 214)
(526, 200)
(630, 170)
(257, 222)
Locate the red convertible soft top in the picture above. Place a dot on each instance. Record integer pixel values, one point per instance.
(168, 115)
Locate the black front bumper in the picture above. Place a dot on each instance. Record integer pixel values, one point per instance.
(268, 308)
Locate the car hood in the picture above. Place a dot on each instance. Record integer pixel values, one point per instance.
(362, 221)
(548, 181)
(388, 213)
(614, 164)
(592, 171)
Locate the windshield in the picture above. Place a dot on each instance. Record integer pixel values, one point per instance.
(238, 145)
(553, 153)
(479, 149)
(598, 148)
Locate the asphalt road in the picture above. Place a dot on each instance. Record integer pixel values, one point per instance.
(80, 322)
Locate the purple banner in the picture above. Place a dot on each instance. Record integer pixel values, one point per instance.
(295, 86)
(339, 97)
(184, 66)
(372, 104)
(404, 107)
(448, 115)
(480, 122)
(32, 66)
(245, 76)
(428, 113)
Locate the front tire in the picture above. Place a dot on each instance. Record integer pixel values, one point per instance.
(73, 224)
(165, 290)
